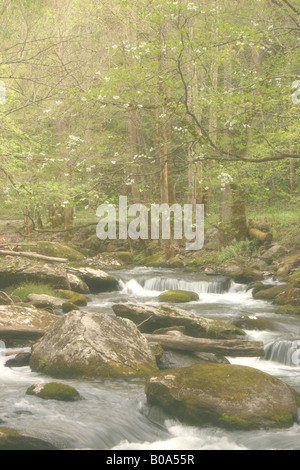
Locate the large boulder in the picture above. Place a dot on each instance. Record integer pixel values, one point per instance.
(97, 280)
(24, 323)
(151, 318)
(93, 345)
(18, 270)
(224, 395)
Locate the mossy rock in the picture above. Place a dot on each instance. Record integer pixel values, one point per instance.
(288, 310)
(255, 323)
(269, 293)
(224, 395)
(54, 391)
(178, 296)
(295, 279)
(53, 249)
(78, 299)
(13, 440)
(156, 260)
(124, 256)
(290, 296)
(69, 307)
(64, 294)
(149, 319)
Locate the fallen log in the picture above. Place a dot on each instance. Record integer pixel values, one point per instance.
(14, 334)
(229, 347)
(261, 236)
(33, 256)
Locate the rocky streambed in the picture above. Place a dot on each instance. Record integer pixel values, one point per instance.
(152, 373)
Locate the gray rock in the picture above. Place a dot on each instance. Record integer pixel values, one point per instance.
(151, 318)
(17, 270)
(44, 301)
(20, 322)
(21, 360)
(93, 345)
(97, 280)
(273, 253)
(77, 284)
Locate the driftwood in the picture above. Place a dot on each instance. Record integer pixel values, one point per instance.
(32, 255)
(261, 236)
(230, 347)
(7, 333)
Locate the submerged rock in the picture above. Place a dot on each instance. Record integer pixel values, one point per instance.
(21, 360)
(178, 296)
(224, 395)
(178, 360)
(13, 440)
(93, 345)
(151, 318)
(54, 391)
(252, 322)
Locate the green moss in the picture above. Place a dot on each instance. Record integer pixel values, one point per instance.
(295, 279)
(34, 288)
(156, 260)
(56, 250)
(94, 368)
(220, 394)
(78, 299)
(54, 391)
(69, 306)
(179, 296)
(288, 310)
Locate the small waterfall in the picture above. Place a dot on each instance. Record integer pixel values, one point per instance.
(284, 352)
(2, 354)
(156, 285)
(160, 284)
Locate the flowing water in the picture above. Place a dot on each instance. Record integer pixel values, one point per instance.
(114, 415)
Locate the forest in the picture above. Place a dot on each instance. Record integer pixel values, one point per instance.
(160, 101)
(163, 341)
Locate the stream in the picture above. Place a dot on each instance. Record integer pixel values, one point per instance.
(114, 415)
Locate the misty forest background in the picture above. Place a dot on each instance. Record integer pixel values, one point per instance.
(161, 101)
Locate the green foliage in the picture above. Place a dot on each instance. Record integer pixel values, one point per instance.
(233, 251)
(31, 288)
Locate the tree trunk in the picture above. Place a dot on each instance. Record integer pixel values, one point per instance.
(239, 219)
(230, 347)
(32, 255)
(259, 235)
